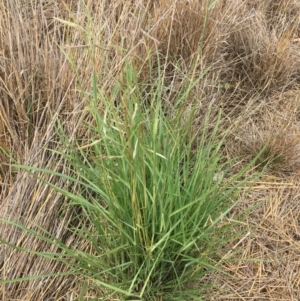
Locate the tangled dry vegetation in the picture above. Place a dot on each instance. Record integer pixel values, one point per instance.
(250, 50)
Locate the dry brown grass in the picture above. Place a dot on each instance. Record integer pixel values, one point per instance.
(268, 263)
(252, 51)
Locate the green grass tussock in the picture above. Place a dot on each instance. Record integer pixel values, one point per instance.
(152, 209)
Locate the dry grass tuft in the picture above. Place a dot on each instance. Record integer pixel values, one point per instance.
(280, 149)
(274, 129)
(181, 28)
(261, 60)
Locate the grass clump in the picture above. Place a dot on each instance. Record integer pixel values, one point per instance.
(276, 139)
(150, 208)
